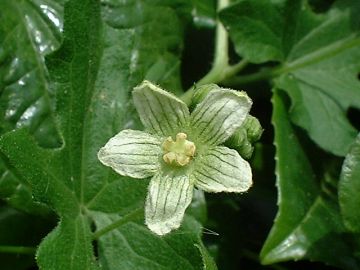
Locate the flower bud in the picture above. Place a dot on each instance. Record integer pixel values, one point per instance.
(243, 138)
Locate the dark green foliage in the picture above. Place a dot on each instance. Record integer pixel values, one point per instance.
(67, 69)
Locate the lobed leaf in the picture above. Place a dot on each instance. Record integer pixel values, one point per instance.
(308, 221)
(319, 56)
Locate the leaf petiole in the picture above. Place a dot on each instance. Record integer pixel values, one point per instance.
(264, 74)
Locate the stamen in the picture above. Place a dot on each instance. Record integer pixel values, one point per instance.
(178, 152)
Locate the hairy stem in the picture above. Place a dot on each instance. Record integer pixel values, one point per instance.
(17, 249)
(261, 75)
(221, 58)
(221, 70)
(134, 215)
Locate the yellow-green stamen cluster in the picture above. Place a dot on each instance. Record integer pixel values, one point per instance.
(178, 152)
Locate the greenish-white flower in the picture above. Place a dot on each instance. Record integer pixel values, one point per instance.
(180, 150)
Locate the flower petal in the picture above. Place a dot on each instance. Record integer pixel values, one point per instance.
(160, 111)
(218, 116)
(132, 153)
(222, 169)
(168, 197)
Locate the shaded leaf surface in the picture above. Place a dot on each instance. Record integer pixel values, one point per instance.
(25, 231)
(68, 245)
(28, 31)
(135, 247)
(308, 221)
(349, 188)
(319, 56)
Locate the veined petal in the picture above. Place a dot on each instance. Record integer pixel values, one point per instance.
(132, 153)
(168, 197)
(160, 111)
(222, 169)
(218, 116)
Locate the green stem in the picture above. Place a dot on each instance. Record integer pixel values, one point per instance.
(221, 73)
(134, 215)
(263, 74)
(221, 43)
(221, 70)
(17, 249)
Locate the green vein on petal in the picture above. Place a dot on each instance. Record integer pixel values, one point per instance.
(132, 153)
(168, 197)
(222, 170)
(160, 111)
(217, 117)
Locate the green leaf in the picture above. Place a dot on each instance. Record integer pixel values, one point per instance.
(319, 56)
(105, 53)
(349, 188)
(37, 167)
(154, 38)
(208, 261)
(134, 247)
(28, 31)
(68, 246)
(256, 29)
(203, 13)
(16, 191)
(308, 221)
(320, 115)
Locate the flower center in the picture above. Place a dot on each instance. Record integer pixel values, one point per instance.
(178, 152)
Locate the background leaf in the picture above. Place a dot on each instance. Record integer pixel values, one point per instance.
(349, 188)
(309, 50)
(308, 220)
(203, 13)
(319, 56)
(28, 31)
(133, 246)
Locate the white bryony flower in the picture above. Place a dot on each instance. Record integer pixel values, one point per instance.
(180, 150)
